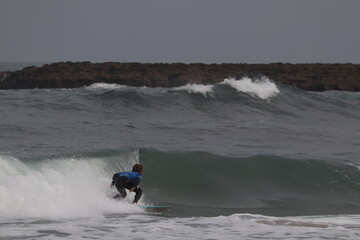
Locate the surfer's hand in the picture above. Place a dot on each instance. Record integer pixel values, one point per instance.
(111, 185)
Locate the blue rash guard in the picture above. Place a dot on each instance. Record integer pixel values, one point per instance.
(131, 175)
(134, 178)
(128, 180)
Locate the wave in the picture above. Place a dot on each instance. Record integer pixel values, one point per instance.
(255, 184)
(262, 88)
(105, 86)
(78, 186)
(59, 188)
(196, 88)
(250, 96)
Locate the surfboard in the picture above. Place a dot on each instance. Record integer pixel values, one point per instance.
(149, 208)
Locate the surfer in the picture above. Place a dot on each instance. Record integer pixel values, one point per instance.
(128, 180)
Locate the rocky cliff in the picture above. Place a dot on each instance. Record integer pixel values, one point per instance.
(313, 77)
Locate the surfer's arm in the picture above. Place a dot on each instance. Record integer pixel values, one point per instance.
(116, 175)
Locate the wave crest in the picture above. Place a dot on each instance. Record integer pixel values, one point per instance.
(262, 88)
(196, 88)
(110, 86)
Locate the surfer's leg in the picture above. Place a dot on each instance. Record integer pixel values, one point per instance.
(138, 193)
(123, 192)
(120, 184)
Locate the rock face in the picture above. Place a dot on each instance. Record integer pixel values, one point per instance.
(313, 77)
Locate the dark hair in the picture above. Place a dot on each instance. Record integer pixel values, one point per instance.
(137, 168)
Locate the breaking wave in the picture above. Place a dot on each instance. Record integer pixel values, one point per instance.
(78, 186)
(196, 88)
(105, 86)
(262, 88)
(58, 188)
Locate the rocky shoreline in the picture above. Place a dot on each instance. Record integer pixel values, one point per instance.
(310, 77)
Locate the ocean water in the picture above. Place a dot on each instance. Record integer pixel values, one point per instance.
(241, 159)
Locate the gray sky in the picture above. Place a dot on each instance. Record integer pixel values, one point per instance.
(208, 31)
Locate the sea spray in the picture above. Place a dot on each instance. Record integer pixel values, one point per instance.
(58, 188)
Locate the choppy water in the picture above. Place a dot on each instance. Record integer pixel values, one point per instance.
(245, 158)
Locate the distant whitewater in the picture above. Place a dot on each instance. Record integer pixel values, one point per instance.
(105, 86)
(196, 88)
(262, 88)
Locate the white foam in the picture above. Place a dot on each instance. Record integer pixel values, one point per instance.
(109, 86)
(262, 88)
(196, 88)
(62, 188)
(237, 226)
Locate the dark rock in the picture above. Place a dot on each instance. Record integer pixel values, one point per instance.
(314, 77)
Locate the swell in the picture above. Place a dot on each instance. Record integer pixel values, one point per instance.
(224, 120)
(257, 94)
(255, 183)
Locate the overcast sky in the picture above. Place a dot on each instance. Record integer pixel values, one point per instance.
(251, 31)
